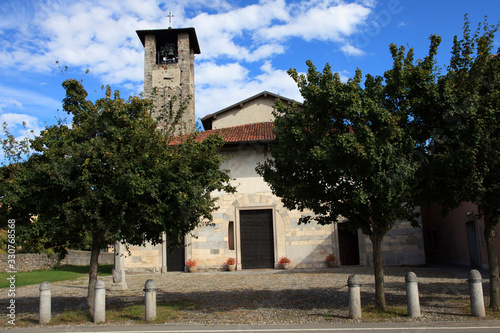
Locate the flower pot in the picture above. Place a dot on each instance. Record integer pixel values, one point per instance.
(332, 263)
(191, 269)
(231, 268)
(285, 266)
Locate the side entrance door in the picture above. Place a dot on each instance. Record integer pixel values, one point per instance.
(472, 242)
(175, 259)
(348, 248)
(257, 238)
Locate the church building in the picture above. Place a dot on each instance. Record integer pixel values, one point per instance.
(251, 225)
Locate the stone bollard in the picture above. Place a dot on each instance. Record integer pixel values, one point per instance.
(354, 297)
(150, 300)
(476, 293)
(100, 302)
(119, 283)
(412, 299)
(45, 303)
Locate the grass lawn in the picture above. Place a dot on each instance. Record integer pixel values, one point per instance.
(132, 312)
(165, 312)
(51, 275)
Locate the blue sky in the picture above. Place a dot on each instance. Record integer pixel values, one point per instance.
(246, 46)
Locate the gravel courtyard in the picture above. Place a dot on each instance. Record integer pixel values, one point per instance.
(271, 296)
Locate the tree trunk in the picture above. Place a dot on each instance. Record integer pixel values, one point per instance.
(94, 261)
(378, 268)
(489, 235)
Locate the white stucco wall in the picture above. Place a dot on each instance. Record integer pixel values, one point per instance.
(242, 162)
(306, 245)
(256, 111)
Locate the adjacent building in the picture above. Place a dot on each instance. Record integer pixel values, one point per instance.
(456, 238)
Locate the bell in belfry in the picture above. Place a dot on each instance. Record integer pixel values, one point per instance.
(171, 52)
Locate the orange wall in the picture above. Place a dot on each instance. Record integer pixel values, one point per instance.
(445, 238)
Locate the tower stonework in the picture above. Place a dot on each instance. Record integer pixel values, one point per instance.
(168, 72)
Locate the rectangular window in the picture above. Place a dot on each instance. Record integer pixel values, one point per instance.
(230, 235)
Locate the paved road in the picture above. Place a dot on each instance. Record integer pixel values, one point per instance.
(457, 327)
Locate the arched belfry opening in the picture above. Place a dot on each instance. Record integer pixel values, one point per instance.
(167, 54)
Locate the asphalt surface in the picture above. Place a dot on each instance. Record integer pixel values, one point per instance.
(492, 326)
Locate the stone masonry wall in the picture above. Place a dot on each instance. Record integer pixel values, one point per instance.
(403, 245)
(309, 244)
(210, 243)
(82, 258)
(27, 262)
(146, 258)
(180, 82)
(305, 245)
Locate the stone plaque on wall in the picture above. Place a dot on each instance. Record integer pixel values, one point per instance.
(169, 77)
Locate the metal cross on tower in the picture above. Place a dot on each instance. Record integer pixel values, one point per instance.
(170, 19)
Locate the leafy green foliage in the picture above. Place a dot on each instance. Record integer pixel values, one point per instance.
(463, 156)
(112, 173)
(349, 154)
(3, 241)
(110, 176)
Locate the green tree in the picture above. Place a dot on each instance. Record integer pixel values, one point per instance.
(462, 161)
(349, 154)
(110, 176)
(3, 241)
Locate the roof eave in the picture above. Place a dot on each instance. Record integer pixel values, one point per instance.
(193, 39)
(264, 93)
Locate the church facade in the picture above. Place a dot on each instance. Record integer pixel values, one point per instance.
(251, 225)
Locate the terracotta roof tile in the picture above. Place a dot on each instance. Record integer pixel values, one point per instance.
(237, 134)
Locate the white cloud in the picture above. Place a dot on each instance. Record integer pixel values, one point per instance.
(19, 105)
(88, 34)
(265, 27)
(278, 81)
(214, 75)
(100, 34)
(235, 38)
(20, 125)
(7, 102)
(326, 20)
(17, 119)
(266, 51)
(215, 97)
(234, 34)
(24, 98)
(344, 75)
(350, 50)
(369, 3)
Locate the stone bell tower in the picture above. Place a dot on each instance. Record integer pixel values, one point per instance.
(168, 72)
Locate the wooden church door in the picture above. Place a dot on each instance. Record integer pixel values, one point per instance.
(257, 238)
